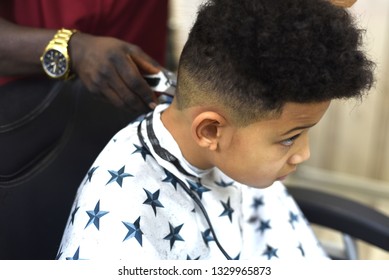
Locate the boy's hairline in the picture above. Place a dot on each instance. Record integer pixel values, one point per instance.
(238, 122)
(228, 112)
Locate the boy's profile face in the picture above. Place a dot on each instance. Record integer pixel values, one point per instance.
(270, 149)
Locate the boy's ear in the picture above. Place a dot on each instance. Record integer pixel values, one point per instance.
(207, 129)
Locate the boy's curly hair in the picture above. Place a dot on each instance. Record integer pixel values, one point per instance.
(253, 56)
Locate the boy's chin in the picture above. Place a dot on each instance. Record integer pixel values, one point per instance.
(263, 185)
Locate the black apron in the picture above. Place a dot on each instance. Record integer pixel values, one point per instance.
(50, 134)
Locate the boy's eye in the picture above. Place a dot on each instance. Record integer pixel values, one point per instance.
(289, 142)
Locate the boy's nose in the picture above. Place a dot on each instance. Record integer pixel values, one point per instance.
(301, 155)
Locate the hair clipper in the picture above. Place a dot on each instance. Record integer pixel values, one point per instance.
(164, 82)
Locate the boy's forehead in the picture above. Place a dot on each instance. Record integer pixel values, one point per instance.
(293, 110)
(297, 115)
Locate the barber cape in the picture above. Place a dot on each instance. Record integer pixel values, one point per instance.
(136, 205)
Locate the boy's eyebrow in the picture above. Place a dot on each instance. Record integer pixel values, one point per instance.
(298, 128)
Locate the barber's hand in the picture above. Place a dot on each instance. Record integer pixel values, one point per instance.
(114, 68)
(343, 3)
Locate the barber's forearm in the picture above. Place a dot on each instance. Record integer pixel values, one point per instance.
(21, 48)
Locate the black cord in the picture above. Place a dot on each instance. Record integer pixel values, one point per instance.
(204, 211)
(170, 158)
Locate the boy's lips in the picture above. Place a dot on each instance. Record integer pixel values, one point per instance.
(284, 177)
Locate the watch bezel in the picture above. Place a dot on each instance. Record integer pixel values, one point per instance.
(62, 52)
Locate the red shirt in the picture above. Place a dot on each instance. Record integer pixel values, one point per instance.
(140, 22)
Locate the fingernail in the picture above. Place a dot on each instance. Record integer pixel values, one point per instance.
(152, 105)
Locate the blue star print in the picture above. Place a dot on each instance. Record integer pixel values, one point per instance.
(188, 258)
(134, 231)
(300, 247)
(95, 215)
(171, 179)
(207, 236)
(118, 176)
(76, 255)
(198, 188)
(174, 236)
(270, 252)
(257, 202)
(293, 218)
(90, 173)
(59, 253)
(152, 200)
(73, 215)
(227, 209)
(224, 184)
(264, 226)
(140, 149)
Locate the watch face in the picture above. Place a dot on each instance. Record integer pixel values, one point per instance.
(55, 63)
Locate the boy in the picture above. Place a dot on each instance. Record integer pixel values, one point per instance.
(200, 179)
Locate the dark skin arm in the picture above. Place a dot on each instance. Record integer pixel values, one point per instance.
(106, 66)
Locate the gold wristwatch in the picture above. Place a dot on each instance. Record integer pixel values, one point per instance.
(56, 59)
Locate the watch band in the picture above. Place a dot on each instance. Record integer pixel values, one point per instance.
(60, 42)
(62, 37)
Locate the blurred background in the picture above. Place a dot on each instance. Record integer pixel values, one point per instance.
(350, 146)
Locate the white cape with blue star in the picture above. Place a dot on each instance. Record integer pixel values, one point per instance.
(130, 206)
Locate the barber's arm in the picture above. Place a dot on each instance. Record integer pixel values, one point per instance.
(21, 48)
(106, 66)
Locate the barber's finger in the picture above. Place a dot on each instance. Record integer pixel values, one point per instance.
(344, 3)
(100, 83)
(131, 100)
(145, 63)
(110, 94)
(131, 76)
